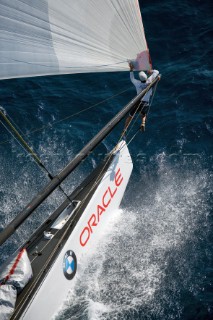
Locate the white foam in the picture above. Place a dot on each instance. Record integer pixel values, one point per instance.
(130, 263)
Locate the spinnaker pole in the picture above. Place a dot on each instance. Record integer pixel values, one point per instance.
(25, 145)
(57, 180)
(23, 142)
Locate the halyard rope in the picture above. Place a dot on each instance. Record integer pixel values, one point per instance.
(99, 177)
(70, 116)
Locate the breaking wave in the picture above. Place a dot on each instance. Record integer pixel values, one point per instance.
(150, 255)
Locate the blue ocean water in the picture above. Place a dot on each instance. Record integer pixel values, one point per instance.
(157, 262)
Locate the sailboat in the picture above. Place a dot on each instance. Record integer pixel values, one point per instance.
(50, 37)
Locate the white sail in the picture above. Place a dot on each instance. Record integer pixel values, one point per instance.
(46, 37)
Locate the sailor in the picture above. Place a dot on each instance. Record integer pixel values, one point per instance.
(143, 106)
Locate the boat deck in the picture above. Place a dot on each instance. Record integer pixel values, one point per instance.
(42, 252)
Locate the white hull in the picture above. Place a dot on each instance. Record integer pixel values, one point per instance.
(60, 278)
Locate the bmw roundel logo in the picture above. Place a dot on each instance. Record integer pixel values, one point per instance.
(69, 264)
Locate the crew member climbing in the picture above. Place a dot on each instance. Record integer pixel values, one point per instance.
(143, 105)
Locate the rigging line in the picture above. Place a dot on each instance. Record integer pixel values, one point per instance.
(152, 98)
(26, 148)
(65, 67)
(130, 141)
(32, 153)
(20, 140)
(99, 176)
(133, 123)
(125, 130)
(13, 125)
(12, 121)
(133, 137)
(70, 116)
(98, 179)
(12, 135)
(123, 133)
(154, 91)
(22, 134)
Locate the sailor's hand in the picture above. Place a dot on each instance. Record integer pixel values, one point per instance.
(150, 71)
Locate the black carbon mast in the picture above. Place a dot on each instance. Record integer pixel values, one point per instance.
(58, 179)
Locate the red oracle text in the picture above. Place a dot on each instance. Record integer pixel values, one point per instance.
(101, 207)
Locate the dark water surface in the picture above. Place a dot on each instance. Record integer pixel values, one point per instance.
(157, 260)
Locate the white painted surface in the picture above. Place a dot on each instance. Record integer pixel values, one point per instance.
(54, 289)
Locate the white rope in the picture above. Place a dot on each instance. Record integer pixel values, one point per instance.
(70, 116)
